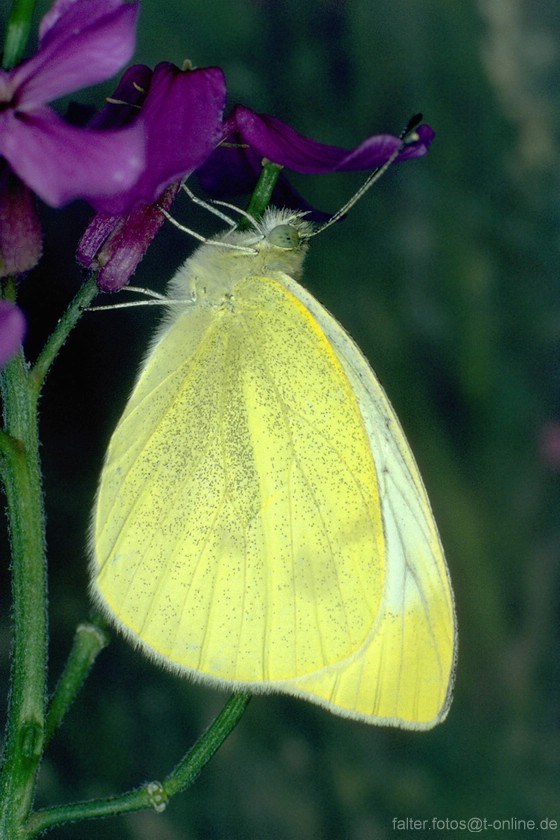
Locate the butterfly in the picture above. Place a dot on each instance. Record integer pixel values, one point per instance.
(260, 522)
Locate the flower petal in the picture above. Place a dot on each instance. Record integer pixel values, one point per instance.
(61, 162)
(273, 139)
(278, 142)
(12, 329)
(125, 102)
(97, 231)
(65, 14)
(181, 113)
(375, 151)
(83, 43)
(182, 119)
(125, 238)
(233, 169)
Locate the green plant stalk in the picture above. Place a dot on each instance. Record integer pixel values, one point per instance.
(67, 322)
(263, 191)
(20, 470)
(89, 641)
(189, 768)
(153, 794)
(17, 32)
(19, 459)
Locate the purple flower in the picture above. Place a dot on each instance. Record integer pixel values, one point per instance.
(235, 166)
(181, 112)
(12, 330)
(114, 245)
(81, 43)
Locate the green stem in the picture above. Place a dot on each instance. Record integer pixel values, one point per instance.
(153, 794)
(17, 32)
(134, 800)
(89, 641)
(21, 473)
(19, 458)
(79, 304)
(262, 193)
(185, 773)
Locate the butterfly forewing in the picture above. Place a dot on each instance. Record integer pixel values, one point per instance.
(239, 527)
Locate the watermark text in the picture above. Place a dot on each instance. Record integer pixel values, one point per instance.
(474, 825)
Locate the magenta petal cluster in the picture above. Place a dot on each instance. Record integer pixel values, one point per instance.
(81, 43)
(250, 137)
(12, 330)
(181, 114)
(181, 111)
(114, 245)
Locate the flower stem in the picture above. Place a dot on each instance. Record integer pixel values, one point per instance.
(153, 794)
(20, 471)
(89, 641)
(262, 193)
(188, 769)
(19, 461)
(17, 32)
(79, 304)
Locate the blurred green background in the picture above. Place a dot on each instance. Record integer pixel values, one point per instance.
(447, 275)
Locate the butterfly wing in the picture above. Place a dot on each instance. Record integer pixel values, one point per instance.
(403, 674)
(238, 528)
(260, 519)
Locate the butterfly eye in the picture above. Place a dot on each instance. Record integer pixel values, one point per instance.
(284, 236)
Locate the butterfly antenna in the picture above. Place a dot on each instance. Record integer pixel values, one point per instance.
(407, 136)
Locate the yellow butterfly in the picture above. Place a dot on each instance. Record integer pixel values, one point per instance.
(260, 522)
